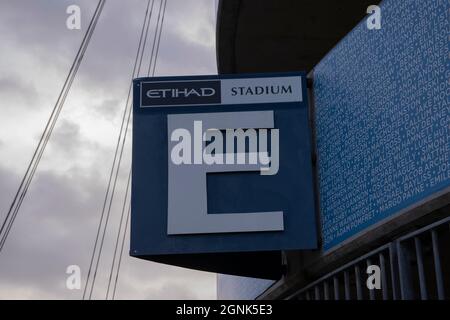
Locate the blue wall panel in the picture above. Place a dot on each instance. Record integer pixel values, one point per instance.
(382, 118)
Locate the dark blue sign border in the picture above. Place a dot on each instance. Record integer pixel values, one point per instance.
(149, 239)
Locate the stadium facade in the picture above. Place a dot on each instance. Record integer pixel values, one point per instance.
(380, 118)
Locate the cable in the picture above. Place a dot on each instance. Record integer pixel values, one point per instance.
(121, 252)
(50, 124)
(129, 177)
(146, 33)
(118, 166)
(115, 158)
(154, 38)
(159, 37)
(128, 184)
(126, 111)
(118, 235)
(37, 155)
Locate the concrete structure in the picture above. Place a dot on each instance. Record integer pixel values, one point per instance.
(275, 36)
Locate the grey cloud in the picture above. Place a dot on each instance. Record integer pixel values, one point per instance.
(15, 92)
(68, 141)
(199, 61)
(41, 25)
(56, 227)
(67, 137)
(114, 47)
(58, 212)
(171, 290)
(8, 182)
(57, 223)
(108, 62)
(108, 108)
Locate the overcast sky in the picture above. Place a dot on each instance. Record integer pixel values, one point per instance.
(57, 223)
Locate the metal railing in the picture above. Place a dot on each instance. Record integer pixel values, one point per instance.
(414, 266)
(423, 256)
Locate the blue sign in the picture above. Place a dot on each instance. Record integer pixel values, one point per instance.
(382, 118)
(221, 164)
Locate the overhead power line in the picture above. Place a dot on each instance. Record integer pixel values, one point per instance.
(116, 246)
(155, 37)
(106, 210)
(127, 191)
(121, 253)
(37, 155)
(159, 38)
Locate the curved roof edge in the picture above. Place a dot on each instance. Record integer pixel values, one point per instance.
(277, 36)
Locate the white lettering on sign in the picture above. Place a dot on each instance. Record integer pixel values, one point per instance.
(193, 144)
(180, 93)
(261, 90)
(187, 190)
(227, 92)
